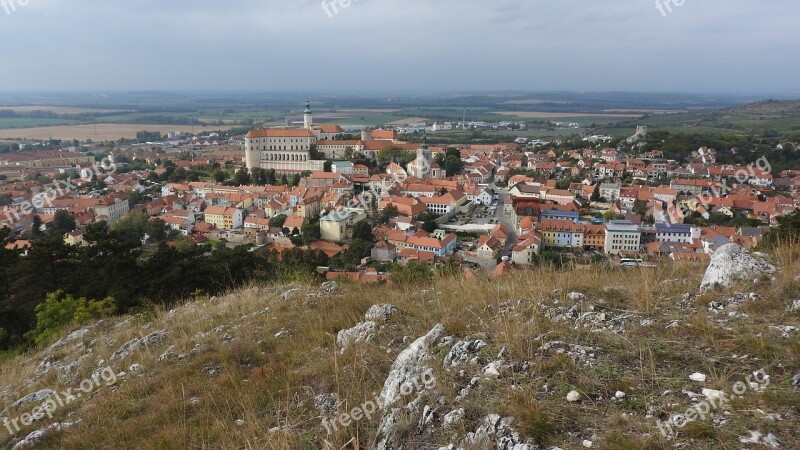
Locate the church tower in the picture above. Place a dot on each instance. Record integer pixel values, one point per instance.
(308, 120)
(422, 165)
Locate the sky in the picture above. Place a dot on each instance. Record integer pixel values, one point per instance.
(693, 46)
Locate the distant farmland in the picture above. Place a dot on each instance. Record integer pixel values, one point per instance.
(555, 115)
(99, 132)
(57, 109)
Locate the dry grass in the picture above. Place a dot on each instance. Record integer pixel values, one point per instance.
(271, 382)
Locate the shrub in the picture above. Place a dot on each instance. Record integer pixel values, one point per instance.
(60, 310)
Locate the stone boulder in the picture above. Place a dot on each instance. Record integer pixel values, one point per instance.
(730, 264)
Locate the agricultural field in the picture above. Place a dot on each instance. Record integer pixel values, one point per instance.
(27, 122)
(97, 133)
(544, 115)
(57, 109)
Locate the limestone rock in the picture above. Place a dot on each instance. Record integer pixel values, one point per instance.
(732, 263)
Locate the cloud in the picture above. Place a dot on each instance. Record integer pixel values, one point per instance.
(274, 45)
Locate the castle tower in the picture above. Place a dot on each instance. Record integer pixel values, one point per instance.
(308, 120)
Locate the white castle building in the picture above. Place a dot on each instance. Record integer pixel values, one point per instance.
(286, 150)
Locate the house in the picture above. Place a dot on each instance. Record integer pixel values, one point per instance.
(594, 237)
(610, 191)
(384, 251)
(342, 167)
(422, 241)
(75, 238)
(560, 233)
(257, 223)
(224, 218)
(503, 269)
(178, 223)
(338, 225)
(479, 196)
(560, 196)
(553, 214)
(622, 238)
(676, 233)
(529, 246)
(413, 255)
(294, 224)
(695, 187)
(488, 247)
(444, 204)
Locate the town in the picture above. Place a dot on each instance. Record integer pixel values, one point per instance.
(489, 208)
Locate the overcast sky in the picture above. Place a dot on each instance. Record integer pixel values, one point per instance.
(714, 46)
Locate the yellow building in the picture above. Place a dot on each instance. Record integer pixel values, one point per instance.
(224, 218)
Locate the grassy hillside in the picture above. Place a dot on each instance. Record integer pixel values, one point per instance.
(256, 368)
(768, 118)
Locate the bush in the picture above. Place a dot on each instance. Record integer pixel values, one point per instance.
(411, 274)
(60, 310)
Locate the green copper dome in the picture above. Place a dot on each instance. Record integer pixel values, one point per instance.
(308, 107)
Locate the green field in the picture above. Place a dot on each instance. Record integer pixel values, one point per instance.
(25, 122)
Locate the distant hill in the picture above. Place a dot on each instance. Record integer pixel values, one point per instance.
(768, 118)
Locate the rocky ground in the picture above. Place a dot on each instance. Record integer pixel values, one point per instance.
(672, 357)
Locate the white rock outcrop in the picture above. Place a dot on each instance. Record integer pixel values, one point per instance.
(573, 396)
(365, 331)
(408, 374)
(409, 367)
(380, 313)
(136, 345)
(732, 263)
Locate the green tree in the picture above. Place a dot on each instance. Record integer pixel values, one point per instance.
(134, 198)
(428, 222)
(640, 207)
(296, 179)
(387, 214)
(60, 310)
(219, 176)
(242, 177)
(180, 174)
(284, 180)
(453, 165)
(277, 221)
(36, 227)
(595, 193)
(271, 179)
(786, 233)
(363, 231)
(311, 232)
(62, 223)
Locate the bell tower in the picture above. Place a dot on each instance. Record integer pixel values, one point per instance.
(308, 119)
